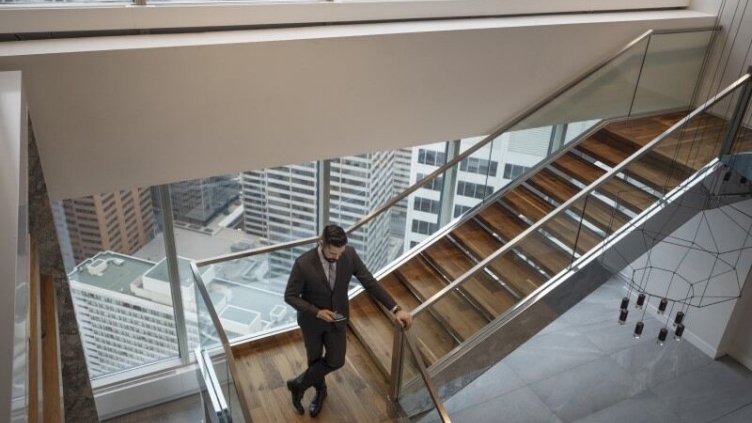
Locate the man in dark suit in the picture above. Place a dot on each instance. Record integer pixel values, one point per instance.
(317, 289)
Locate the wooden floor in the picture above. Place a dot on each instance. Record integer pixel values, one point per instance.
(357, 392)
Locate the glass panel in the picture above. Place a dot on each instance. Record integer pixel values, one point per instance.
(360, 184)
(207, 332)
(236, 212)
(576, 129)
(475, 177)
(743, 140)
(671, 70)
(248, 293)
(210, 345)
(424, 205)
(112, 249)
(414, 397)
(605, 94)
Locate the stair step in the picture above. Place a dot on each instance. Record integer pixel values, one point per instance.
(535, 246)
(433, 339)
(480, 287)
(648, 169)
(597, 212)
(462, 317)
(373, 328)
(622, 192)
(524, 202)
(694, 146)
(516, 273)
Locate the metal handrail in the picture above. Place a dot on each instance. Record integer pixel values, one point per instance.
(587, 190)
(419, 184)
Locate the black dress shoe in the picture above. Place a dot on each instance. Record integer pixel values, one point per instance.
(317, 401)
(297, 389)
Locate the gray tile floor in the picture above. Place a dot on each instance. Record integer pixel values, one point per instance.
(584, 367)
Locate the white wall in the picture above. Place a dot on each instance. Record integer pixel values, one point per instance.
(142, 110)
(713, 252)
(737, 340)
(730, 58)
(12, 138)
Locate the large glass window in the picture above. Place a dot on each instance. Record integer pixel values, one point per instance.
(115, 259)
(239, 212)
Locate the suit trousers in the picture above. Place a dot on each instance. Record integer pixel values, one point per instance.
(318, 337)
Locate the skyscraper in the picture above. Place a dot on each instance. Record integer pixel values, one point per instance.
(197, 201)
(121, 221)
(479, 175)
(280, 205)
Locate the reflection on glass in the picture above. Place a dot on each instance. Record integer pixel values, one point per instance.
(358, 185)
(247, 295)
(111, 245)
(671, 68)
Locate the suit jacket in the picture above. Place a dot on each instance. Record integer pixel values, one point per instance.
(308, 289)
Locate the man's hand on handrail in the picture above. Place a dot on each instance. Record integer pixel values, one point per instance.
(404, 318)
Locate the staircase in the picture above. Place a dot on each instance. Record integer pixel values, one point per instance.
(541, 255)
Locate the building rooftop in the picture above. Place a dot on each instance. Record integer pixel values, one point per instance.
(160, 272)
(240, 315)
(111, 271)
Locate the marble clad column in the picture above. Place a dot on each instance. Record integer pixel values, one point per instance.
(78, 398)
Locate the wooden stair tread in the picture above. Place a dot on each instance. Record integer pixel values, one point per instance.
(480, 287)
(523, 201)
(433, 339)
(460, 315)
(647, 169)
(617, 189)
(535, 246)
(597, 212)
(518, 274)
(374, 328)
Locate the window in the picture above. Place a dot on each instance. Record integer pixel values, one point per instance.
(431, 157)
(426, 205)
(512, 171)
(469, 189)
(423, 227)
(434, 184)
(460, 209)
(479, 166)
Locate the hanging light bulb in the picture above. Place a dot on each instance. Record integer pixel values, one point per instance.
(623, 316)
(679, 332)
(662, 336)
(679, 318)
(624, 303)
(638, 329)
(640, 301)
(662, 306)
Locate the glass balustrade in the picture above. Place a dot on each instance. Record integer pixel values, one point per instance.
(216, 367)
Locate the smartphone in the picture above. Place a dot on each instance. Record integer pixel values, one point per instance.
(338, 317)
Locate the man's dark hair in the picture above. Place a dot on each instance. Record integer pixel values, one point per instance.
(334, 235)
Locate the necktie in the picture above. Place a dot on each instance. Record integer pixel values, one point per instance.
(332, 276)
